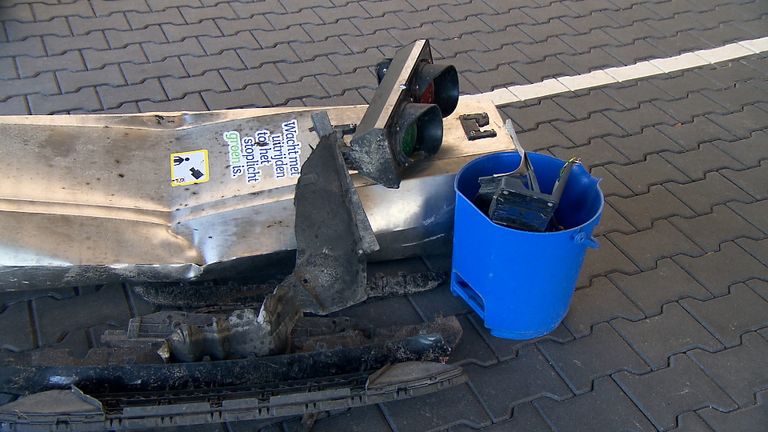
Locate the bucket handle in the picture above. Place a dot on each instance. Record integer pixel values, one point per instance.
(582, 237)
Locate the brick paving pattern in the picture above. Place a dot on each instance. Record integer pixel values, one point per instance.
(669, 327)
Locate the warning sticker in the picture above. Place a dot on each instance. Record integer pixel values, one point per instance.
(189, 168)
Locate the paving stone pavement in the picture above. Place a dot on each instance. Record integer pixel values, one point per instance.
(668, 329)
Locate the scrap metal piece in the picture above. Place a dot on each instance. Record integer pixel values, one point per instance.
(391, 375)
(332, 231)
(514, 199)
(562, 178)
(268, 331)
(472, 124)
(67, 409)
(41, 411)
(202, 294)
(321, 124)
(514, 205)
(402, 283)
(525, 167)
(232, 295)
(193, 337)
(47, 369)
(489, 185)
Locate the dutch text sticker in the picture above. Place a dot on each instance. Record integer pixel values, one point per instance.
(189, 168)
(249, 152)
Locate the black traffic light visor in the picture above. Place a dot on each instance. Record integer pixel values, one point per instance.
(433, 84)
(437, 84)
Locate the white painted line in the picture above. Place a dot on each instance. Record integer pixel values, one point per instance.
(533, 91)
(639, 70)
(635, 71)
(503, 96)
(756, 45)
(500, 96)
(681, 62)
(593, 79)
(723, 53)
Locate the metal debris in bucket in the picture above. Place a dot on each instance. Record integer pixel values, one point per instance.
(514, 199)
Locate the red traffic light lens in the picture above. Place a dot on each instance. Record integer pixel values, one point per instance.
(428, 97)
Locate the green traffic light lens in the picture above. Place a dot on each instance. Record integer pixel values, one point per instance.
(409, 139)
(418, 132)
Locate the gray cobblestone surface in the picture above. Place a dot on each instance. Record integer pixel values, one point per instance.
(669, 327)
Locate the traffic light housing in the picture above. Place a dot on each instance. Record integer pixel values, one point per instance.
(404, 121)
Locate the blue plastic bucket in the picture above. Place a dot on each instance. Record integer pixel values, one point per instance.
(521, 282)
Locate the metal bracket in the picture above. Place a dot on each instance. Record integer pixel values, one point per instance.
(321, 125)
(472, 124)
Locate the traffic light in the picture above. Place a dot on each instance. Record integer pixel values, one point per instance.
(404, 121)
